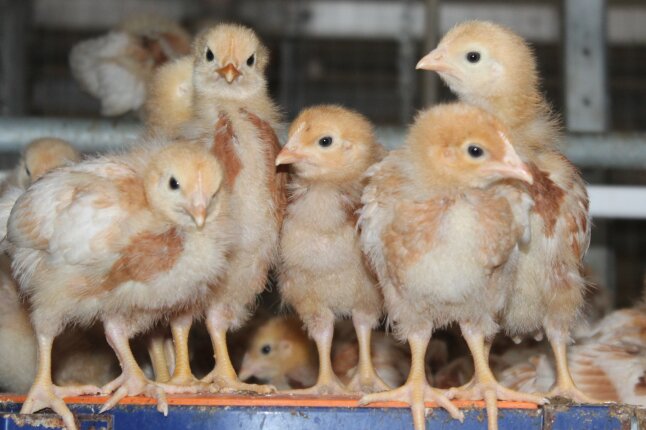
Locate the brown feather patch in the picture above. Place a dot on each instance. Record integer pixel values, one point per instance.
(277, 175)
(223, 149)
(146, 256)
(547, 198)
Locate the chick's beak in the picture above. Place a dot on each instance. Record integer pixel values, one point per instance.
(512, 167)
(197, 209)
(246, 369)
(229, 72)
(290, 152)
(434, 60)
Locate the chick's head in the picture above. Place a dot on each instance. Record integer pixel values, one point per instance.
(275, 349)
(463, 146)
(44, 155)
(183, 182)
(481, 61)
(330, 143)
(229, 63)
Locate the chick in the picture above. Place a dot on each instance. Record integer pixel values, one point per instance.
(281, 354)
(234, 117)
(491, 67)
(79, 357)
(126, 240)
(39, 157)
(116, 67)
(169, 100)
(323, 275)
(442, 230)
(609, 363)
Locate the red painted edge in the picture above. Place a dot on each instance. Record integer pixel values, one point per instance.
(278, 400)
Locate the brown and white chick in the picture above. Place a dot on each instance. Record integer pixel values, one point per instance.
(127, 240)
(281, 354)
(322, 274)
(442, 229)
(493, 68)
(234, 117)
(116, 67)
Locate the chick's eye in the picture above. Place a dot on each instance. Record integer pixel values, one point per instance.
(475, 151)
(266, 349)
(251, 60)
(173, 184)
(325, 141)
(473, 57)
(27, 171)
(209, 55)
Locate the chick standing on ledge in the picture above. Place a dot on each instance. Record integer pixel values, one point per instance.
(442, 231)
(233, 116)
(493, 68)
(323, 274)
(127, 240)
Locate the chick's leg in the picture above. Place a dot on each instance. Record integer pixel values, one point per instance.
(565, 386)
(224, 376)
(366, 379)
(44, 394)
(416, 390)
(183, 380)
(321, 328)
(158, 357)
(132, 381)
(486, 387)
(472, 382)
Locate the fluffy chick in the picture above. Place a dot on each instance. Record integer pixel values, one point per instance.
(442, 230)
(609, 363)
(86, 360)
(116, 67)
(323, 274)
(234, 118)
(281, 353)
(491, 67)
(126, 240)
(39, 157)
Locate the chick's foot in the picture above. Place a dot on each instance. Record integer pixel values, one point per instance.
(134, 384)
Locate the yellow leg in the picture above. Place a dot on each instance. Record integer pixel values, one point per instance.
(44, 394)
(158, 357)
(327, 382)
(485, 386)
(366, 379)
(416, 390)
(224, 376)
(132, 381)
(565, 386)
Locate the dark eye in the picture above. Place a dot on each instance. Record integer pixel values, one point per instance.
(475, 151)
(209, 55)
(173, 184)
(266, 349)
(325, 141)
(473, 57)
(251, 60)
(27, 171)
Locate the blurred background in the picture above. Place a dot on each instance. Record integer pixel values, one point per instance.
(362, 54)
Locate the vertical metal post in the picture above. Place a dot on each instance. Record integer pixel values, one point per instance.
(431, 39)
(586, 106)
(288, 61)
(406, 62)
(14, 29)
(585, 66)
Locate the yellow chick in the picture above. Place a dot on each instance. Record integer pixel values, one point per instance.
(491, 67)
(234, 117)
(323, 275)
(442, 230)
(127, 240)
